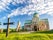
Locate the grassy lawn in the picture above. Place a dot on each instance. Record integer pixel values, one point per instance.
(30, 36)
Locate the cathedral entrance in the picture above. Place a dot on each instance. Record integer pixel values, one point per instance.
(35, 28)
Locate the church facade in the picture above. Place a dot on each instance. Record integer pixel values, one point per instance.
(36, 24)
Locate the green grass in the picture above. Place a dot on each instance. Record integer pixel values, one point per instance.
(46, 35)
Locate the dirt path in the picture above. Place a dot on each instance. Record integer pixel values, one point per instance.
(25, 32)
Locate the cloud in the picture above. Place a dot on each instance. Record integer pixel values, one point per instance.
(45, 7)
(31, 6)
(28, 9)
(4, 4)
(41, 6)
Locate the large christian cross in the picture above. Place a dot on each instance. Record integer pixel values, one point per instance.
(9, 23)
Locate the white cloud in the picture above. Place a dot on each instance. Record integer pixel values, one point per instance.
(41, 6)
(45, 7)
(29, 9)
(4, 4)
(34, 5)
(14, 2)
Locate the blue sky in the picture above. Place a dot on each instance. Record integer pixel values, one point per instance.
(22, 10)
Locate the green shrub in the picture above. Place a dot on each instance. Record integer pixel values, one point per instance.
(4, 30)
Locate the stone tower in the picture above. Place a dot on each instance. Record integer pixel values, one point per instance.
(18, 26)
(35, 21)
(35, 18)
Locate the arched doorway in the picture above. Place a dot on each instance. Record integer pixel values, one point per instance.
(35, 28)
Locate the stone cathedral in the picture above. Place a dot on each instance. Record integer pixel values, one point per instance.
(36, 24)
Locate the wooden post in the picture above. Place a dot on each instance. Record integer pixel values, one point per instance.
(7, 32)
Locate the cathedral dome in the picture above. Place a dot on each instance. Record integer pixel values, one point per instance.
(36, 15)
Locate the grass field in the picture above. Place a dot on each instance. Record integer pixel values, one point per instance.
(30, 36)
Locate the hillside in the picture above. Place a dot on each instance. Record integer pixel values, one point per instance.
(28, 36)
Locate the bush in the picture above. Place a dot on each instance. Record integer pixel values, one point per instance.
(12, 30)
(4, 30)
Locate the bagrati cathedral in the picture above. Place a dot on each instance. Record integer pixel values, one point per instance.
(36, 24)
